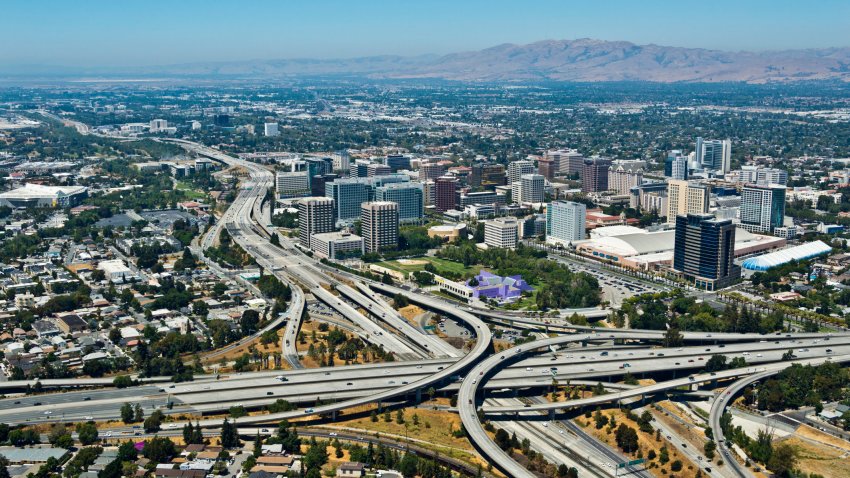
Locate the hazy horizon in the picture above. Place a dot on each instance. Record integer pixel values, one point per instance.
(109, 34)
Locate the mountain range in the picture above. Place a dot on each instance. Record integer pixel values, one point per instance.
(582, 60)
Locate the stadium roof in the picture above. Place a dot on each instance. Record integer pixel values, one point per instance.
(31, 190)
(796, 253)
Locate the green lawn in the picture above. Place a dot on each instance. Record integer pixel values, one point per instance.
(191, 193)
(440, 264)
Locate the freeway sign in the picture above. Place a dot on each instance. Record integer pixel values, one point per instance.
(630, 463)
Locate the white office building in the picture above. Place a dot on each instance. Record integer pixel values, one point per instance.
(531, 189)
(270, 129)
(315, 216)
(501, 232)
(516, 170)
(292, 184)
(565, 222)
(336, 245)
(762, 176)
(714, 155)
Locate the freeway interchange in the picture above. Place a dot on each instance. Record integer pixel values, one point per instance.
(485, 381)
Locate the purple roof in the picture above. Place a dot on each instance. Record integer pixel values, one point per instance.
(497, 287)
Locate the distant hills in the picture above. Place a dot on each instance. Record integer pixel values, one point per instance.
(582, 60)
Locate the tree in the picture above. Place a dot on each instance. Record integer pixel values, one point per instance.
(716, 363)
(709, 448)
(258, 446)
(4, 464)
(138, 413)
(87, 433)
(676, 466)
(153, 422)
(159, 449)
(127, 413)
(783, 460)
(502, 439)
(627, 438)
(229, 435)
(127, 451)
(673, 338)
(599, 419)
(249, 321)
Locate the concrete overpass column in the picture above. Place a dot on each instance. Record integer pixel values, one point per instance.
(552, 414)
(418, 395)
(333, 415)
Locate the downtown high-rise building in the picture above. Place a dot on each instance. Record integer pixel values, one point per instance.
(714, 154)
(762, 207)
(379, 225)
(762, 176)
(531, 188)
(349, 193)
(397, 162)
(431, 171)
(315, 216)
(487, 176)
(409, 196)
(594, 177)
(684, 197)
(676, 165)
(292, 184)
(704, 251)
(565, 222)
(624, 175)
(445, 193)
(516, 169)
(565, 162)
(359, 168)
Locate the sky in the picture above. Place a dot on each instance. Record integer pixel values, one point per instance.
(91, 33)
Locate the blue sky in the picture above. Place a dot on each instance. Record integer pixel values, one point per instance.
(153, 32)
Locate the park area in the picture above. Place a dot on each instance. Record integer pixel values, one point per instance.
(443, 267)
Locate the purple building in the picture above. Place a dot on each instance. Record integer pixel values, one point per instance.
(492, 286)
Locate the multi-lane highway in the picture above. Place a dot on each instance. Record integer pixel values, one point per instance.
(591, 354)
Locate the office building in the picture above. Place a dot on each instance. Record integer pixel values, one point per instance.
(379, 225)
(431, 171)
(409, 196)
(292, 184)
(704, 251)
(397, 162)
(516, 169)
(714, 155)
(684, 197)
(481, 197)
(624, 175)
(762, 207)
(762, 176)
(336, 245)
(270, 129)
(317, 183)
(487, 176)
(531, 188)
(341, 160)
(566, 162)
(445, 193)
(376, 169)
(157, 125)
(594, 177)
(349, 193)
(676, 165)
(501, 232)
(429, 189)
(359, 168)
(315, 216)
(547, 168)
(565, 222)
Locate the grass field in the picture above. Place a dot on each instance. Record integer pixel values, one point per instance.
(192, 193)
(418, 264)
